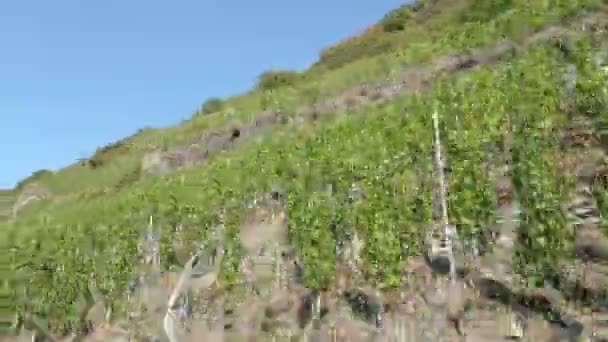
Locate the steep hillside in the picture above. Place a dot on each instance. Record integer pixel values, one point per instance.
(523, 106)
(428, 29)
(7, 199)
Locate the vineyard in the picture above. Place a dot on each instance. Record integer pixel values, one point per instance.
(368, 173)
(6, 202)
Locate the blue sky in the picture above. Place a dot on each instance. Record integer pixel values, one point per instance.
(76, 75)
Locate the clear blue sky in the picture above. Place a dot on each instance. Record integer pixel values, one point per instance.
(76, 75)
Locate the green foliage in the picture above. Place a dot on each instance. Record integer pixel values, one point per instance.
(387, 154)
(275, 79)
(404, 26)
(33, 178)
(436, 30)
(592, 94)
(600, 192)
(545, 240)
(107, 153)
(483, 11)
(310, 93)
(212, 105)
(267, 101)
(130, 177)
(355, 49)
(396, 19)
(471, 182)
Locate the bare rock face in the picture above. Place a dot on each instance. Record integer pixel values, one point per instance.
(158, 162)
(31, 193)
(591, 244)
(261, 227)
(264, 236)
(154, 163)
(456, 301)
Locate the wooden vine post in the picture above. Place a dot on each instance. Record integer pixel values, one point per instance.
(441, 241)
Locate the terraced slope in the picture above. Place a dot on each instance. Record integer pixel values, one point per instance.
(437, 28)
(521, 103)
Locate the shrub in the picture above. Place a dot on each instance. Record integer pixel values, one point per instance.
(103, 155)
(311, 93)
(33, 177)
(483, 11)
(212, 105)
(395, 20)
(274, 79)
(130, 177)
(355, 48)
